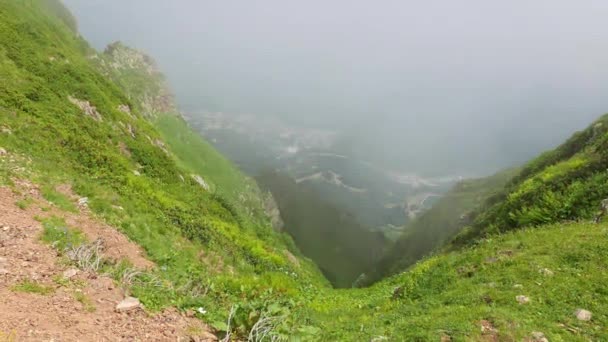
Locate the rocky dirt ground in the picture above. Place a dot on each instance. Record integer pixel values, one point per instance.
(79, 306)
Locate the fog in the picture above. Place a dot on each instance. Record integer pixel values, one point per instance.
(435, 87)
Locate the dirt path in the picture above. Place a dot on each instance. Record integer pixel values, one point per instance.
(82, 309)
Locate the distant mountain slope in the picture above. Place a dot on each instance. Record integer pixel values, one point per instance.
(338, 244)
(321, 161)
(564, 184)
(439, 224)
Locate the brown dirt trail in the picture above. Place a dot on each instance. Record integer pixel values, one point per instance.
(83, 308)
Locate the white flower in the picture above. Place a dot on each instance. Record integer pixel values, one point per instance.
(201, 311)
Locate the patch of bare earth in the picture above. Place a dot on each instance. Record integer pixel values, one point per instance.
(488, 331)
(116, 245)
(85, 308)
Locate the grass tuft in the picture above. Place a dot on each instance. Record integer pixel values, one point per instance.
(29, 286)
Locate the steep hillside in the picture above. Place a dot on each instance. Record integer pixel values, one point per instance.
(341, 247)
(438, 224)
(101, 177)
(484, 285)
(565, 184)
(527, 285)
(65, 122)
(139, 77)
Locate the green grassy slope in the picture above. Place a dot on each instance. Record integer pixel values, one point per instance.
(138, 76)
(567, 183)
(200, 158)
(437, 225)
(451, 294)
(200, 239)
(217, 251)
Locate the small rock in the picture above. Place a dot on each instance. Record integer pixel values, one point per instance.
(125, 109)
(200, 181)
(83, 202)
(128, 304)
(546, 272)
(68, 274)
(3, 271)
(86, 107)
(2, 152)
(539, 337)
(583, 315)
(6, 228)
(522, 299)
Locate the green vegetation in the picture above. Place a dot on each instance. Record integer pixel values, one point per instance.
(198, 157)
(195, 236)
(56, 8)
(60, 200)
(86, 302)
(215, 249)
(29, 286)
(437, 225)
(57, 233)
(25, 203)
(565, 184)
(450, 294)
(335, 241)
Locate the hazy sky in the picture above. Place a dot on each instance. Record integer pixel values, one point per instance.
(461, 86)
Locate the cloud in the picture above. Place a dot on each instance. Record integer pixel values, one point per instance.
(434, 86)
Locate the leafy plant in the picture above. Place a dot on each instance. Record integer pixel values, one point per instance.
(57, 233)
